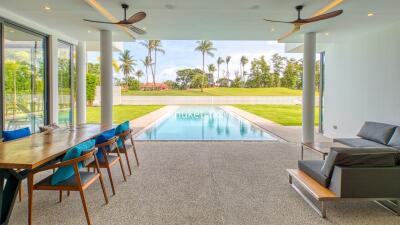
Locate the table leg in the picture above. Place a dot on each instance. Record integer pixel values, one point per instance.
(10, 180)
(323, 156)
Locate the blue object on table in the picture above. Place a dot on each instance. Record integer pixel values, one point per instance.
(16, 134)
(103, 137)
(121, 129)
(66, 172)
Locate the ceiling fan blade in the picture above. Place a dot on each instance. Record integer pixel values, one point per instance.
(294, 30)
(137, 30)
(137, 17)
(323, 16)
(276, 21)
(330, 6)
(95, 21)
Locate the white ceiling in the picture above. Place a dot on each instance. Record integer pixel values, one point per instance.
(207, 19)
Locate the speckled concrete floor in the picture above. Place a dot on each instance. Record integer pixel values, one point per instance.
(202, 183)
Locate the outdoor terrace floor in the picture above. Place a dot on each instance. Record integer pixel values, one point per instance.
(203, 183)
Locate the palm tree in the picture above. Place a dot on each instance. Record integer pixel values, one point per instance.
(211, 70)
(227, 60)
(127, 65)
(205, 47)
(157, 47)
(219, 62)
(139, 74)
(146, 63)
(150, 46)
(243, 61)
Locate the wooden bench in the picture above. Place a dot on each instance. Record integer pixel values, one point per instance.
(313, 188)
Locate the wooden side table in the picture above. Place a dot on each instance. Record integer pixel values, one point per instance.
(322, 148)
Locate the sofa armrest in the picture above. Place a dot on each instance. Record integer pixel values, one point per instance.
(372, 182)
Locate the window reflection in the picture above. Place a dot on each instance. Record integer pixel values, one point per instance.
(24, 79)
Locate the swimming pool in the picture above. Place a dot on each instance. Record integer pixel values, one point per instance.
(204, 123)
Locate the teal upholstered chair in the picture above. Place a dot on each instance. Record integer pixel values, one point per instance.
(105, 144)
(124, 133)
(68, 176)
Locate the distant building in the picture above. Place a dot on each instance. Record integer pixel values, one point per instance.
(151, 86)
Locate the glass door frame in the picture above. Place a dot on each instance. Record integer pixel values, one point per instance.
(46, 117)
(72, 70)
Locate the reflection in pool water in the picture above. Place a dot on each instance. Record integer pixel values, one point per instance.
(204, 123)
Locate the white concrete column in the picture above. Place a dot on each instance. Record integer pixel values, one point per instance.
(53, 77)
(309, 87)
(106, 76)
(81, 83)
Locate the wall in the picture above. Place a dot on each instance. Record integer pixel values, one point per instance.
(362, 81)
(116, 96)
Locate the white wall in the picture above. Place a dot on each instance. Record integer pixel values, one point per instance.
(362, 81)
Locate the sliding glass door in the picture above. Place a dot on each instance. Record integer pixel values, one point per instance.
(65, 94)
(24, 78)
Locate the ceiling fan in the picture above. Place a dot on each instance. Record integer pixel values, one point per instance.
(126, 22)
(300, 22)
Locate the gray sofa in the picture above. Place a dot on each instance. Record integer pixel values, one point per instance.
(369, 169)
(374, 134)
(357, 172)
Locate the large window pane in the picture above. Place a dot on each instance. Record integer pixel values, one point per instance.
(24, 79)
(64, 84)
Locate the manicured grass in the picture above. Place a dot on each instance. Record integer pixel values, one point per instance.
(121, 113)
(220, 92)
(287, 115)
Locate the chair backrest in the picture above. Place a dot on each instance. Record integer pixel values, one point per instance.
(73, 155)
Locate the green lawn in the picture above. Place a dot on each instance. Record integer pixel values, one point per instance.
(287, 115)
(220, 92)
(121, 113)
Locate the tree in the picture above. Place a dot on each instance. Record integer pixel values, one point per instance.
(184, 77)
(260, 73)
(147, 63)
(219, 62)
(317, 75)
(211, 70)
(157, 47)
(243, 61)
(290, 74)
(227, 60)
(127, 64)
(149, 45)
(139, 74)
(205, 47)
(277, 64)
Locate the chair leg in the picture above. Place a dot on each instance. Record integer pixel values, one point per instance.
(20, 193)
(127, 162)
(134, 152)
(111, 180)
(30, 198)
(60, 197)
(122, 167)
(84, 206)
(68, 192)
(103, 188)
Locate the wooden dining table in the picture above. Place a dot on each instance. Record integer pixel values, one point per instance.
(19, 157)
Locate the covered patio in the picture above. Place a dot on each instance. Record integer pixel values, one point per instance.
(189, 182)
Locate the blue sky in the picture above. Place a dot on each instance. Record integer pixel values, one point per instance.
(180, 54)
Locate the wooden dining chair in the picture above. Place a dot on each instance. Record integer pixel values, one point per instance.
(80, 181)
(107, 160)
(123, 148)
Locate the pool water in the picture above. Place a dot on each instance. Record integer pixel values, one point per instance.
(204, 123)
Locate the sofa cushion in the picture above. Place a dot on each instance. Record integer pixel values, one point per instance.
(395, 140)
(378, 132)
(121, 128)
(313, 169)
(359, 142)
(16, 134)
(359, 157)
